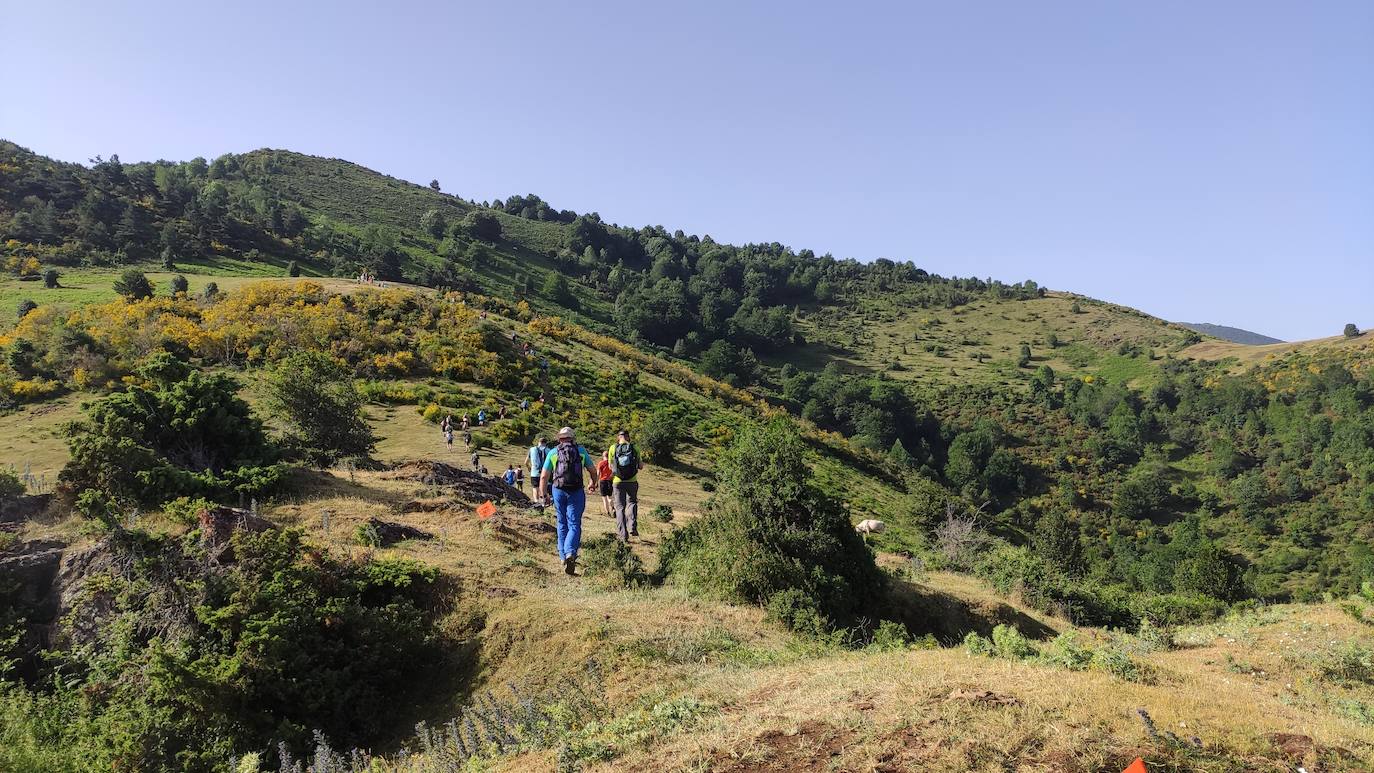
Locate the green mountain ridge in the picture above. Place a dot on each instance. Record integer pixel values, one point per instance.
(1233, 334)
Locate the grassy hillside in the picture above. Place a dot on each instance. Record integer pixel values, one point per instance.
(1043, 461)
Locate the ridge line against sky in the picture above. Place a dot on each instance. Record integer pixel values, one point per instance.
(1196, 162)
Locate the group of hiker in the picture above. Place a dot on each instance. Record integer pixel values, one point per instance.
(557, 472)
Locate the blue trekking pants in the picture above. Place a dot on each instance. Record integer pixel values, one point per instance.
(569, 506)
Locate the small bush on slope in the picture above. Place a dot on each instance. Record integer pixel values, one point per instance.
(772, 537)
(179, 433)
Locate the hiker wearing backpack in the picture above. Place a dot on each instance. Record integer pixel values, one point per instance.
(564, 467)
(625, 465)
(509, 475)
(537, 453)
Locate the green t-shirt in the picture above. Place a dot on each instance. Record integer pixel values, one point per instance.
(610, 454)
(551, 460)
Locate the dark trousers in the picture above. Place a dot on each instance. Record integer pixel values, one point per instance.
(625, 496)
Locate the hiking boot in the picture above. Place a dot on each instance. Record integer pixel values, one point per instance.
(634, 533)
(570, 565)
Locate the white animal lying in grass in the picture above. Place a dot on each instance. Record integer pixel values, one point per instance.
(871, 526)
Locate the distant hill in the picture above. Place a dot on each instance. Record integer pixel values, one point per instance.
(1232, 334)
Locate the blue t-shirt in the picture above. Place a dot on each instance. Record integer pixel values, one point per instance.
(537, 455)
(510, 477)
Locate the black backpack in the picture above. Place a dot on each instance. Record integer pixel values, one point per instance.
(626, 460)
(567, 469)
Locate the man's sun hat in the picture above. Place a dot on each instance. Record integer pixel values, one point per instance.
(565, 432)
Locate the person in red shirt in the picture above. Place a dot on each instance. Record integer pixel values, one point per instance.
(604, 475)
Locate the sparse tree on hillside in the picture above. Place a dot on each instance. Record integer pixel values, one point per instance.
(169, 262)
(482, 225)
(26, 306)
(50, 278)
(1024, 358)
(434, 223)
(1075, 308)
(660, 436)
(315, 397)
(293, 269)
(1052, 340)
(133, 285)
(179, 285)
(211, 290)
(434, 184)
(1350, 330)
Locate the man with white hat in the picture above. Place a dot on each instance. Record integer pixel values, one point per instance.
(564, 467)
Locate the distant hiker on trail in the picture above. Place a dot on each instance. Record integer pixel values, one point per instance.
(448, 437)
(482, 417)
(465, 423)
(446, 424)
(525, 404)
(520, 477)
(509, 476)
(476, 462)
(564, 467)
(624, 458)
(604, 473)
(467, 439)
(537, 453)
(501, 414)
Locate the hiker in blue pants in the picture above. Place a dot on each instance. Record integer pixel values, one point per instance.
(564, 467)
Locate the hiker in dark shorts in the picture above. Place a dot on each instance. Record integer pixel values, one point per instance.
(625, 463)
(603, 476)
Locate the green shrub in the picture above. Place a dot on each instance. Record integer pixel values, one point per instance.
(223, 661)
(1006, 642)
(1011, 644)
(186, 510)
(977, 644)
(1017, 570)
(612, 564)
(772, 531)
(798, 612)
(314, 397)
(185, 434)
(1173, 609)
(889, 637)
(1352, 663)
(1066, 652)
(366, 534)
(662, 514)
(660, 436)
(1120, 665)
(10, 485)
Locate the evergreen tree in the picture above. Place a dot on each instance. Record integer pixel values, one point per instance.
(133, 285)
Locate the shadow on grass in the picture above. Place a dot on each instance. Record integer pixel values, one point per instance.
(950, 619)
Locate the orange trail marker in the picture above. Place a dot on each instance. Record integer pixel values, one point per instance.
(1136, 767)
(486, 510)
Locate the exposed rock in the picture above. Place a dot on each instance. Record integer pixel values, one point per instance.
(218, 525)
(471, 487)
(984, 697)
(389, 533)
(28, 581)
(16, 510)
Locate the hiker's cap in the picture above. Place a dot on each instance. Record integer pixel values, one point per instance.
(565, 432)
(623, 433)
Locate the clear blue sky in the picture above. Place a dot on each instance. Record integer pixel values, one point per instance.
(1207, 161)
